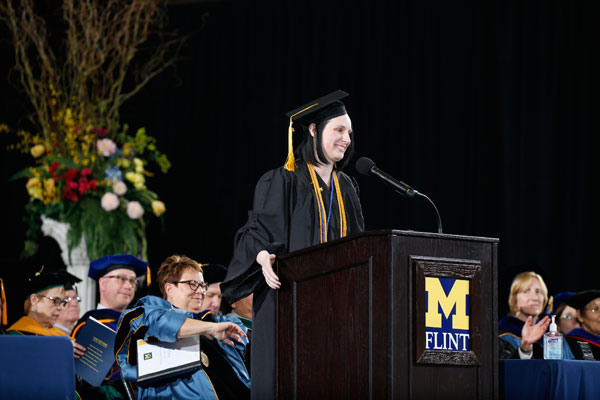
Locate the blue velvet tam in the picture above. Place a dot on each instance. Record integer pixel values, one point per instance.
(106, 264)
(561, 297)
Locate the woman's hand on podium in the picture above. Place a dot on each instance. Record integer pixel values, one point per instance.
(266, 261)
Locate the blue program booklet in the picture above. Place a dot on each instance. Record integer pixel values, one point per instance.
(99, 340)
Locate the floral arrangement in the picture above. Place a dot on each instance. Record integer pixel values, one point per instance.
(87, 168)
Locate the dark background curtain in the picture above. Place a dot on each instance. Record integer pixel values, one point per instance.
(483, 106)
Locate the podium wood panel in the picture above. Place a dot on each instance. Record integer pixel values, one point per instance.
(347, 316)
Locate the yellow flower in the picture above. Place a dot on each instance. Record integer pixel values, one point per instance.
(135, 178)
(123, 163)
(34, 188)
(158, 207)
(139, 165)
(49, 190)
(127, 149)
(37, 150)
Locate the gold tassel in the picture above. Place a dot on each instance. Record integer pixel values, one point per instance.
(4, 316)
(290, 164)
(148, 279)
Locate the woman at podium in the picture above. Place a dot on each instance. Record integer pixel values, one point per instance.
(306, 202)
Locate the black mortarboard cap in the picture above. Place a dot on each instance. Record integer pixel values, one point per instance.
(213, 273)
(47, 280)
(579, 300)
(323, 108)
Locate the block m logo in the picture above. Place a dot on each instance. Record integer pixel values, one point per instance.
(457, 297)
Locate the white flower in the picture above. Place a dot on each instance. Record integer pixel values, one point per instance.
(106, 146)
(120, 188)
(109, 201)
(134, 210)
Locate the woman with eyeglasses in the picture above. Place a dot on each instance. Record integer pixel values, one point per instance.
(566, 316)
(179, 315)
(585, 341)
(44, 304)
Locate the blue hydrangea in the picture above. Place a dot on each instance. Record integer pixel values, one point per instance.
(114, 173)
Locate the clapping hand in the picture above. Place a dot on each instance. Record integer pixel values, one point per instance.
(531, 333)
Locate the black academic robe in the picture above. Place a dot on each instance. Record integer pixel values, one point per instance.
(284, 218)
(584, 345)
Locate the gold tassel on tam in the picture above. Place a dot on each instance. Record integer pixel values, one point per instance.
(290, 163)
(148, 279)
(3, 294)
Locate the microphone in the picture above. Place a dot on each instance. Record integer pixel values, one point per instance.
(366, 166)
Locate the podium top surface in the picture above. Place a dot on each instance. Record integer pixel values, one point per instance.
(435, 235)
(399, 233)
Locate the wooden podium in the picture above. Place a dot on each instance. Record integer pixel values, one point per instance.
(360, 318)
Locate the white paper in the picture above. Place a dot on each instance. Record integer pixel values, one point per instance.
(161, 356)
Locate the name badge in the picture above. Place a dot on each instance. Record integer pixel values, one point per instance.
(586, 350)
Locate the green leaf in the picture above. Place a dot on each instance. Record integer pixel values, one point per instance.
(64, 161)
(24, 173)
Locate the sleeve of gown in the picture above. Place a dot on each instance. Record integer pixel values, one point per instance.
(266, 229)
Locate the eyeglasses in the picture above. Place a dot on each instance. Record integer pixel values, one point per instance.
(567, 317)
(194, 285)
(56, 300)
(594, 309)
(123, 279)
(77, 299)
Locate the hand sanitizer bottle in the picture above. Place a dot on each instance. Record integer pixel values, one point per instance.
(553, 343)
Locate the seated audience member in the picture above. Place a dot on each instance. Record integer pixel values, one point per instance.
(70, 314)
(117, 281)
(520, 332)
(565, 319)
(44, 303)
(584, 342)
(178, 315)
(242, 309)
(213, 276)
(3, 316)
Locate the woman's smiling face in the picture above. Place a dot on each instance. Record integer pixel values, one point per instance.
(335, 138)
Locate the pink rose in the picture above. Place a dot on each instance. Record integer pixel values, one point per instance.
(134, 210)
(109, 201)
(106, 146)
(120, 188)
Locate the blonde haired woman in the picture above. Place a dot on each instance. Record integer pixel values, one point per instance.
(520, 332)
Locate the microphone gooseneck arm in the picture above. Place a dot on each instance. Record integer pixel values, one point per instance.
(439, 219)
(366, 166)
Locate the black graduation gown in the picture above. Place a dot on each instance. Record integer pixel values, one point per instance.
(284, 218)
